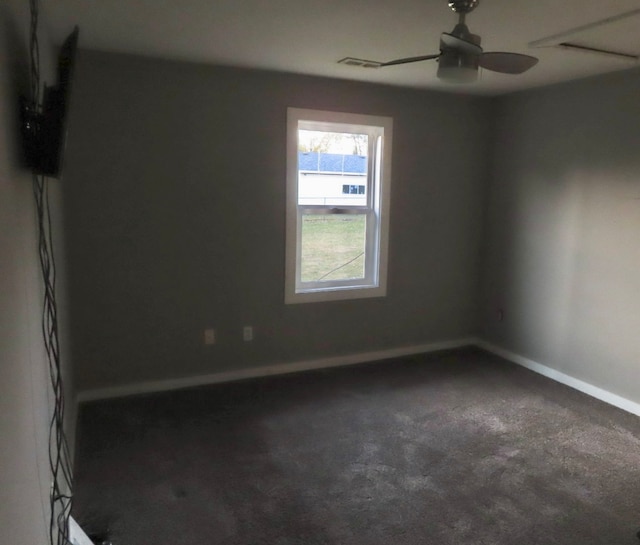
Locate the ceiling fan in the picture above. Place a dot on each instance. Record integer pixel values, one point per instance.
(460, 53)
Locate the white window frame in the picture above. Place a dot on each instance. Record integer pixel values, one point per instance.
(378, 192)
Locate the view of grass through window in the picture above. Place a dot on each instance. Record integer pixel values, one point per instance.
(332, 247)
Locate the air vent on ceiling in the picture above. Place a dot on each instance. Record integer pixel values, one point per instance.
(350, 61)
(613, 36)
(598, 51)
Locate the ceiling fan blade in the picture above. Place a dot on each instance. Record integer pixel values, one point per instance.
(449, 41)
(507, 63)
(410, 59)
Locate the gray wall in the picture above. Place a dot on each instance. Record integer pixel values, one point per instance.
(176, 220)
(563, 252)
(25, 406)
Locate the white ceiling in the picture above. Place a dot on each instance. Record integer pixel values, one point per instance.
(310, 36)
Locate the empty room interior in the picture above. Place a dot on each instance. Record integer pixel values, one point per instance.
(324, 273)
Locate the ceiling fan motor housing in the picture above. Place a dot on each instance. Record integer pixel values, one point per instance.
(462, 31)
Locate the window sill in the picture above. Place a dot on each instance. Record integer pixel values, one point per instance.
(335, 294)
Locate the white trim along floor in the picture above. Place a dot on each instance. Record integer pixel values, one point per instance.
(352, 359)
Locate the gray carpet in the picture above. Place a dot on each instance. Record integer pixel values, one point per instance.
(449, 448)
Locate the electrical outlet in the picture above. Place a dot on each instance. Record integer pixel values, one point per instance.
(209, 336)
(247, 333)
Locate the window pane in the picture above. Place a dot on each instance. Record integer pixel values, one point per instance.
(330, 166)
(333, 247)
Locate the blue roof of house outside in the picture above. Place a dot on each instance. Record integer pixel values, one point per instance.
(312, 161)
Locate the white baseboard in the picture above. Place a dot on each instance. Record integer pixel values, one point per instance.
(267, 370)
(594, 391)
(352, 359)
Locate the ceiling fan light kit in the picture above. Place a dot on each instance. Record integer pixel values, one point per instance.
(458, 67)
(461, 54)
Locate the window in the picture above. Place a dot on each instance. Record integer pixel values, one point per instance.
(353, 189)
(338, 188)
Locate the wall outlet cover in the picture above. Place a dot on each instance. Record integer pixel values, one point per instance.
(209, 336)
